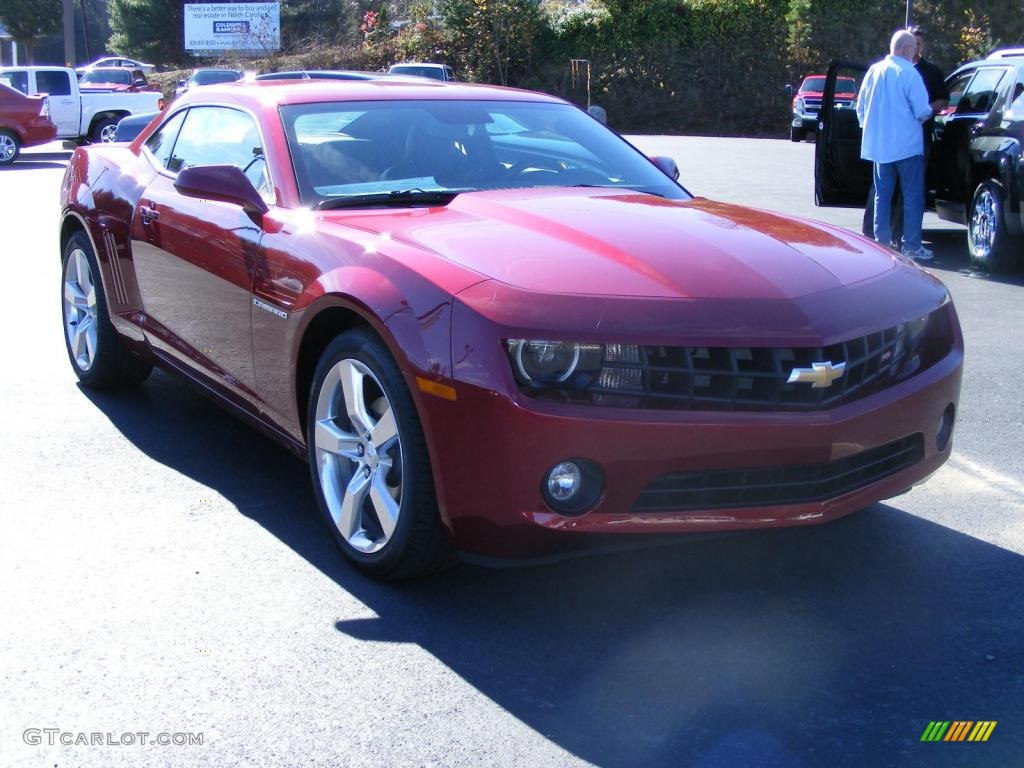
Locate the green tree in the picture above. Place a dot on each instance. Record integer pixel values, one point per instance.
(28, 20)
(496, 38)
(151, 30)
(315, 21)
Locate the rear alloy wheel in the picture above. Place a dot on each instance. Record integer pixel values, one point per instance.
(105, 131)
(94, 348)
(10, 147)
(991, 246)
(371, 472)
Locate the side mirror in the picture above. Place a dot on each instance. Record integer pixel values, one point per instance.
(789, 90)
(225, 183)
(598, 113)
(139, 83)
(667, 166)
(181, 83)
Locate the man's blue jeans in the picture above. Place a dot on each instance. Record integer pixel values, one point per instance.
(910, 173)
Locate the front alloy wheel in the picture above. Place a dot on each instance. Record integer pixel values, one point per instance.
(370, 467)
(990, 244)
(80, 309)
(105, 132)
(359, 456)
(96, 352)
(9, 147)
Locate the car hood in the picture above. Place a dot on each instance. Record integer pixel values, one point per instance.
(104, 88)
(603, 242)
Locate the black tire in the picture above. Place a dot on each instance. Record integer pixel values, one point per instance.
(992, 247)
(110, 365)
(105, 131)
(10, 147)
(418, 544)
(796, 134)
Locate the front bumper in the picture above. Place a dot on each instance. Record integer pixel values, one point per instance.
(493, 446)
(805, 120)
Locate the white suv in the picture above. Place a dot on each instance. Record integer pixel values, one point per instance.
(417, 69)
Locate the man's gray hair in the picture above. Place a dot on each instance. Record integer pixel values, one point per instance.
(902, 40)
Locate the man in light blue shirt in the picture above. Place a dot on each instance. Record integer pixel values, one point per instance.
(891, 105)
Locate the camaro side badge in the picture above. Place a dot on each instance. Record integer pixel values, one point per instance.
(818, 375)
(281, 313)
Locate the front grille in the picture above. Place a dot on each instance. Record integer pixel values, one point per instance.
(813, 106)
(755, 378)
(735, 488)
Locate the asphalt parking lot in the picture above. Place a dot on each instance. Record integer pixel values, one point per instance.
(164, 571)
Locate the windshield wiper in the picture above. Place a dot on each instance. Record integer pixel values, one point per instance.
(396, 197)
(616, 186)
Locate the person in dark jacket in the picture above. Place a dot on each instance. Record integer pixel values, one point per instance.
(938, 97)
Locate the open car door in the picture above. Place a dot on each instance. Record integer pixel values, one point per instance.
(841, 178)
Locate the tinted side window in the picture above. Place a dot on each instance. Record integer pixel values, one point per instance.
(1017, 97)
(16, 80)
(957, 88)
(161, 143)
(53, 83)
(982, 92)
(216, 136)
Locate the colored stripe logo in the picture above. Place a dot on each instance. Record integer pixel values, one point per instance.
(959, 730)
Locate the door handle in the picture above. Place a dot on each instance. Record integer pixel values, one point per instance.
(148, 215)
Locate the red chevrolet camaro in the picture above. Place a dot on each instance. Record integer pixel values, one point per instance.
(491, 325)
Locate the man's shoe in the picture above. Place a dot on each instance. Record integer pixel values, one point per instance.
(921, 254)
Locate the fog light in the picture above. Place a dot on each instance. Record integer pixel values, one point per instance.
(564, 481)
(573, 486)
(945, 427)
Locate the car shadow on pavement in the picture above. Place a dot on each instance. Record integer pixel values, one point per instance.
(821, 646)
(951, 255)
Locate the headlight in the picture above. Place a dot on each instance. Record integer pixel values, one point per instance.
(570, 365)
(798, 105)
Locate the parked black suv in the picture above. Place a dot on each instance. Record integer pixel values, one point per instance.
(975, 175)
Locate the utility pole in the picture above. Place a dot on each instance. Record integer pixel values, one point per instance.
(909, 2)
(69, 33)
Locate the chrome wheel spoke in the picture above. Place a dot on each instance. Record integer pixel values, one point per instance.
(333, 439)
(384, 505)
(385, 430)
(73, 295)
(349, 515)
(78, 342)
(88, 330)
(353, 383)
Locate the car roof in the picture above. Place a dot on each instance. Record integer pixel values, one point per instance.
(264, 93)
(989, 63)
(1006, 53)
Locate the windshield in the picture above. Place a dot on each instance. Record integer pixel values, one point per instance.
(117, 76)
(348, 149)
(402, 69)
(817, 85)
(211, 76)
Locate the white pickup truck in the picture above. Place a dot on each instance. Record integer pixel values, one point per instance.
(79, 116)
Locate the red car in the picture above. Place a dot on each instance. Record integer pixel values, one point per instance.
(807, 103)
(24, 122)
(114, 80)
(491, 325)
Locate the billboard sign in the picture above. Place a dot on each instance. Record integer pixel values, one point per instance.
(212, 28)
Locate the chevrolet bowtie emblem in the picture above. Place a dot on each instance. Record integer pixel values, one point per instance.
(818, 375)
